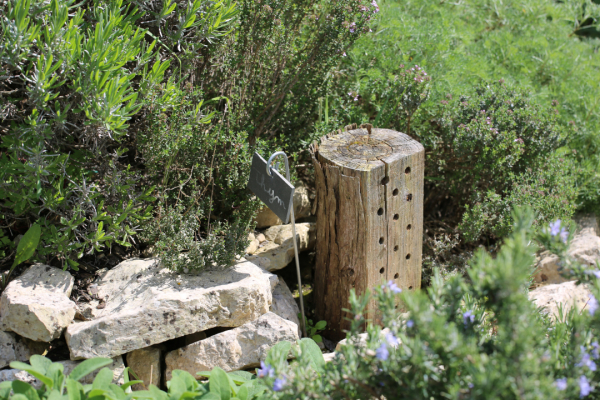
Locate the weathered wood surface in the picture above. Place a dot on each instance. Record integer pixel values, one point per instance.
(369, 217)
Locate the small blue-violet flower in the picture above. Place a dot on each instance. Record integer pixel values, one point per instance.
(391, 286)
(468, 316)
(279, 384)
(410, 323)
(382, 352)
(265, 370)
(561, 383)
(586, 360)
(584, 386)
(392, 340)
(592, 304)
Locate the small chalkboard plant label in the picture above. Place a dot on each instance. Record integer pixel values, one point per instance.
(271, 188)
(278, 194)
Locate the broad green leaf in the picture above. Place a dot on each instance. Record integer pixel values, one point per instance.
(74, 389)
(317, 338)
(278, 354)
(321, 325)
(28, 244)
(89, 366)
(241, 376)
(34, 372)
(25, 389)
(311, 350)
(219, 383)
(210, 396)
(103, 379)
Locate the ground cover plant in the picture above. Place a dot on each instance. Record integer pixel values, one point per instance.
(465, 337)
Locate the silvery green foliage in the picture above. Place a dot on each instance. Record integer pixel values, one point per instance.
(474, 337)
(72, 77)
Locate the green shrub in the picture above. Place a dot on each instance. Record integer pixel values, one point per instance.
(532, 45)
(71, 83)
(464, 338)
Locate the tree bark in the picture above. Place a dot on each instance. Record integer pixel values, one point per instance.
(369, 186)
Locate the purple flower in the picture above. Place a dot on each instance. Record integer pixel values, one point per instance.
(592, 304)
(374, 4)
(344, 54)
(586, 361)
(391, 286)
(584, 386)
(555, 227)
(595, 353)
(596, 273)
(410, 323)
(356, 98)
(564, 235)
(392, 340)
(265, 370)
(352, 27)
(382, 352)
(468, 316)
(470, 385)
(279, 384)
(561, 384)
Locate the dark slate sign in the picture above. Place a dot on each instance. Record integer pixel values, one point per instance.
(275, 191)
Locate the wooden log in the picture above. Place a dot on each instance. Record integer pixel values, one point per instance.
(369, 211)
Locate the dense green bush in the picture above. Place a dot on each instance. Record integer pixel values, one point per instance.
(106, 132)
(536, 48)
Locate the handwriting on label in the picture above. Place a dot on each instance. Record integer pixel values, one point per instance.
(270, 192)
(273, 190)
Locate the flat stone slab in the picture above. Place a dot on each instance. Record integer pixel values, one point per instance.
(239, 348)
(36, 305)
(12, 349)
(279, 250)
(284, 304)
(567, 293)
(145, 304)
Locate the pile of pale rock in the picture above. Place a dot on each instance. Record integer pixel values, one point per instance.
(554, 289)
(139, 308)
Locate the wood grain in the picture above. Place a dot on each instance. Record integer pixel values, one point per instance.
(369, 209)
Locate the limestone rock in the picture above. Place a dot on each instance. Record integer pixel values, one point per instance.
(587, 224)
(145, 363)
(585, 248)
(254, 243)
(12, 349)
(146, 304)
(284, 304)
(280, 247)
(236, 349)
(36, 305)
(261, 238)
(117, 366)
(302, 209)
(567, 293)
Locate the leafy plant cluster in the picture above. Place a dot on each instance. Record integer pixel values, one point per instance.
(465, 337)
(532, 66)
(474, 337)
(119, 118)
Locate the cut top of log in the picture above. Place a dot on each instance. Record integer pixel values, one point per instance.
(356, 149)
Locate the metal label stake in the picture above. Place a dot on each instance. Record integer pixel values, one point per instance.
(277, 193)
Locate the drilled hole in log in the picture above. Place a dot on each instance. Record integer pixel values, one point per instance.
(395, 192)
(407, 170)
(409, 197)
(410, 288)
(380, 211)
(395, 248)
(380, 240)
(396, 276)
(382, 270)
(385, 180)
(408, 227)
(396, 217)
(408, 256)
